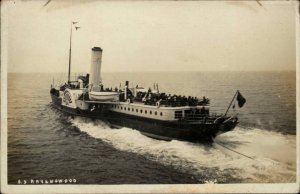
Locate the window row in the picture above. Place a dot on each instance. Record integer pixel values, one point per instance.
(136, 110)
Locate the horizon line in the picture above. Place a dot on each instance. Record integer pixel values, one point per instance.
(163, 71)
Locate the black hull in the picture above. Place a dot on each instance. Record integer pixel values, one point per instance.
(165, 130)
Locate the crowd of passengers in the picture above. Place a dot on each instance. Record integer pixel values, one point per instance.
(149, 98)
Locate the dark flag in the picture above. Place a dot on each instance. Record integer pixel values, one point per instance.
(241, 100)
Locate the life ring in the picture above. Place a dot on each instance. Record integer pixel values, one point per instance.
(215, 121)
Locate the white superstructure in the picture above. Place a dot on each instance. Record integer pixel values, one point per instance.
(129, 101)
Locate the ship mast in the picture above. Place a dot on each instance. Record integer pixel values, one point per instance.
(70, 51)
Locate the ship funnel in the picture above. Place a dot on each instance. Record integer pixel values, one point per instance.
(95, 78)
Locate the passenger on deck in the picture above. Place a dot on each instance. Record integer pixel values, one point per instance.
(204, 100)
(202, 111)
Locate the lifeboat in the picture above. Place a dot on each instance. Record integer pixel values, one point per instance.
(104, 96)
(98, 94)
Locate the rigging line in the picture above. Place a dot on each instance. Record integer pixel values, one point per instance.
(235, 151)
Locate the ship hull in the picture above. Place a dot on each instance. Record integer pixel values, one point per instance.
(165, 130)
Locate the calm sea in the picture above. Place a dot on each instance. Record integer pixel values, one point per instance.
(44, 143)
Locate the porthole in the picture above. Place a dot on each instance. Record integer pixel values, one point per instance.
(155, 113)
(161, 114)
(132, 109)
(141, 111)
(136, 110)
(124, 108)
(121, 108)
(150, 112)
(145, 111)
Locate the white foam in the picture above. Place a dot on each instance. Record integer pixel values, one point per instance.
(274, 154)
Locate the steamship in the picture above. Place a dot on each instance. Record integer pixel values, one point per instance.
(153, 113)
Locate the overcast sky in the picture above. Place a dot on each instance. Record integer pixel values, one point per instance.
(152, 36)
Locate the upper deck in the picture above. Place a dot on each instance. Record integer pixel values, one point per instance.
(138, 102)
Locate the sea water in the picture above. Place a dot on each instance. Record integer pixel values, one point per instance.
(45, 144)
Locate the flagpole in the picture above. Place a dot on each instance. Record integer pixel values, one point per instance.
(231, 103)
(70, 53)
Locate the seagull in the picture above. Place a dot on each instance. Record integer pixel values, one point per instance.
(47, 3)
(258, 3)
(77, 27)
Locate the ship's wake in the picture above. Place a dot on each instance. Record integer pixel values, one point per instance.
(243, 155)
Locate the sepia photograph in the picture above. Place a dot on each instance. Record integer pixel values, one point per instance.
(149, 96)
